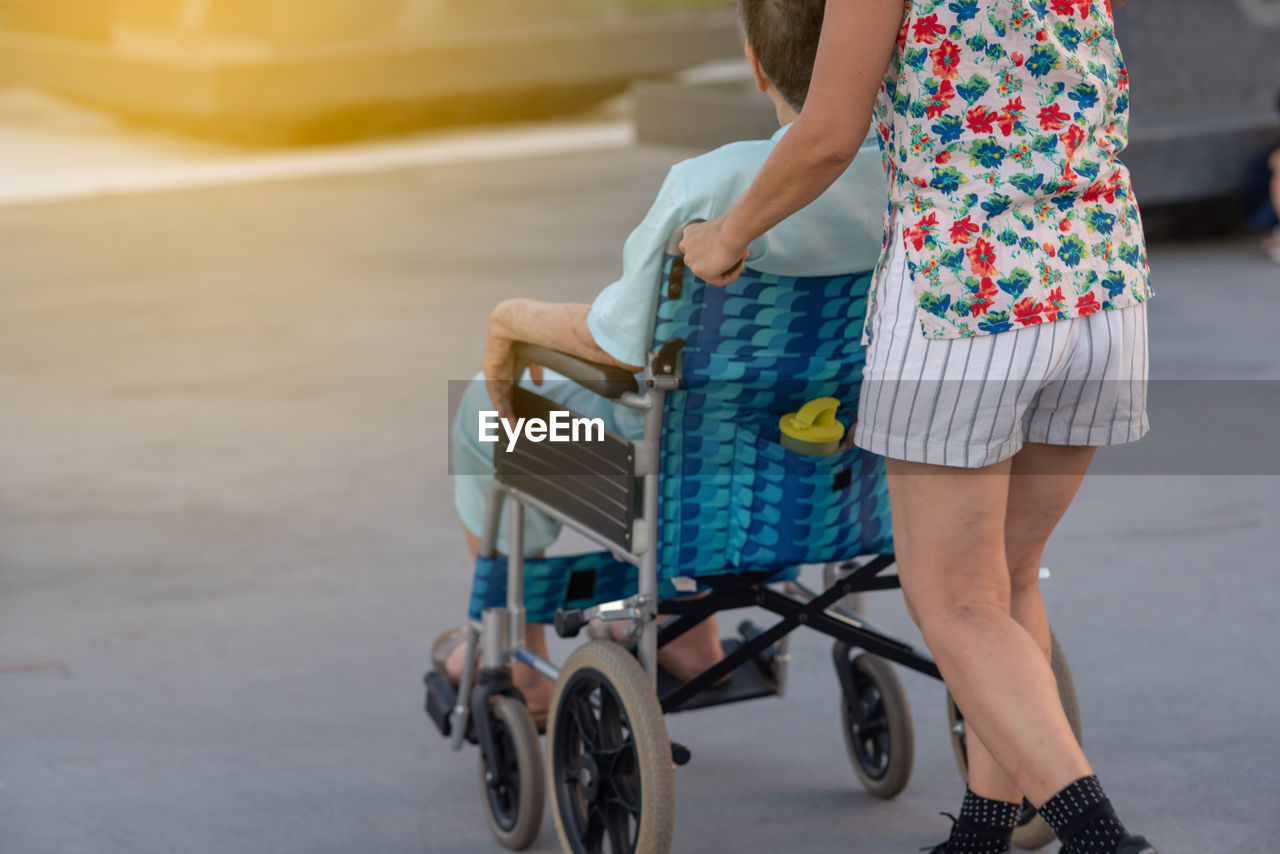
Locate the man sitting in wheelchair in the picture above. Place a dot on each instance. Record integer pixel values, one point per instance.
(839, 232)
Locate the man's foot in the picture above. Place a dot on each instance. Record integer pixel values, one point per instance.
(684, 658)
(448, 655)
(1135, 845)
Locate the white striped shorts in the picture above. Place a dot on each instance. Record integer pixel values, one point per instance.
(972, 402)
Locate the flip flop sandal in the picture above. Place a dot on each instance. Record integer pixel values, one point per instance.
(443, 647)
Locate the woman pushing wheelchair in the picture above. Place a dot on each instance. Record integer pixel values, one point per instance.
(1006, 341)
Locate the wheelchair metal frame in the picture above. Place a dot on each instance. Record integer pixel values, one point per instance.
(502, 630)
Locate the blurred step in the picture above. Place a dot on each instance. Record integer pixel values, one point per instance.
(285, 92)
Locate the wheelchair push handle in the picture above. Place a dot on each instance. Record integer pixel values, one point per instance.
(673, 242)
(677, 264)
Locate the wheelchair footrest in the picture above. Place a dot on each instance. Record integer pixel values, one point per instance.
(441, 697)
(748, 682)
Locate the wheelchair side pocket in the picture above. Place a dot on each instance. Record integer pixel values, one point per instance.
(788, 508)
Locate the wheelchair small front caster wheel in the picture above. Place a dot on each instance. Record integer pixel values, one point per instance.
(612, 781)
(513, 797)
(1032, 831)
(876, 722)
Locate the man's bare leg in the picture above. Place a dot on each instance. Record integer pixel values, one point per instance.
(949, 535)
(1044, 480)
(535, 687)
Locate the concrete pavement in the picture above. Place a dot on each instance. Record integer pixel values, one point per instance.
(227, 539)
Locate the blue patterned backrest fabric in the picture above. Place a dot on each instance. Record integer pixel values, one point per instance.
(732, 498)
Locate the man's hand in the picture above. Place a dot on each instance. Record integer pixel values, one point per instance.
(708, 256)
(502, 369)
(556, 326)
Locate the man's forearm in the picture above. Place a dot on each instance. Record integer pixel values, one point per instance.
(555, 325)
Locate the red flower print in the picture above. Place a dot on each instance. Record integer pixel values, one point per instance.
(943, 158)
(963, 231)
(1065, 225)
(928, 29)
(1055, 304)
(946, 60)
(1011, 115)
(1093, 193)
(1122, 79)
(1042, 36)
(903, 32)
(1050, 249)
(1087, 304)
(1086, 8)
(1072, 139)
(981, 119)
(1052, 117)
(1066, 8)
(938, 104)
(985, 299)
(921, 230)
(1027, 311)
(1018, 59)
(1113, 186)
(982, 258)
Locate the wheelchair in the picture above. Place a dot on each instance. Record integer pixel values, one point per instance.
(706, 502)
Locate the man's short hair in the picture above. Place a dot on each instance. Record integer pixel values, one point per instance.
(784, 35)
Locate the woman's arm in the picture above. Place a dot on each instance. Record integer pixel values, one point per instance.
(858, 38)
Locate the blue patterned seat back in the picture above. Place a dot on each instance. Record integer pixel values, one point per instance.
(732, 497)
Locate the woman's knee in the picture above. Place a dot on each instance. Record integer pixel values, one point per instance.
(1024, 576)
(960, 604)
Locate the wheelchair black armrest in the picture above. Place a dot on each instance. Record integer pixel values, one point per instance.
(604, 380)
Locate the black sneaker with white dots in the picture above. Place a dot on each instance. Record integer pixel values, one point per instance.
(1135, 845)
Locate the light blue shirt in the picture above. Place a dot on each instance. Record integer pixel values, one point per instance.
(839, 232)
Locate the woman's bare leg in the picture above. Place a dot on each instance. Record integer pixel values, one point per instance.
(949, 534)
(1044, 480)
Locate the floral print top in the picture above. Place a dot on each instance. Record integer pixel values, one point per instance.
(999, 124)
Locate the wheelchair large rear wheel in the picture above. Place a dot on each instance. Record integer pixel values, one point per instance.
(880, 738)
(608, 755)
(513, 798)
(1032, 831)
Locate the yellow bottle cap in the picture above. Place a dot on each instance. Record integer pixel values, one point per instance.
(815, 422)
